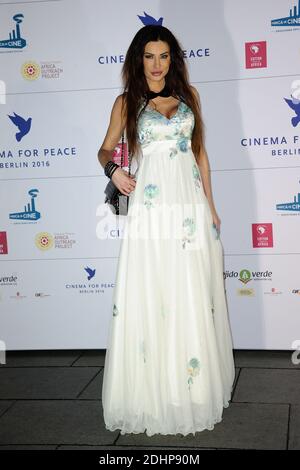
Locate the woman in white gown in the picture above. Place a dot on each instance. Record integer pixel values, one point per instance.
(169, 364)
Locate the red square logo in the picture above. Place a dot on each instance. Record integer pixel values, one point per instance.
(3, 243)
(256, 54)
(262, 235)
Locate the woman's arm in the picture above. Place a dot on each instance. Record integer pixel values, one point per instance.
(204, 168)
(113, 134)
(124, 182)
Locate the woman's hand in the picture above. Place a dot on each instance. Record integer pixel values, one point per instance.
(216, 221)
(124, 182)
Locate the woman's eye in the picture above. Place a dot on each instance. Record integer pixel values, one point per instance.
(150, 57)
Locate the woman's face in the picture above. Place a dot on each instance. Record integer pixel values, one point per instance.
(156, 58)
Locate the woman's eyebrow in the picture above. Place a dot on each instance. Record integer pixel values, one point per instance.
(166, 52)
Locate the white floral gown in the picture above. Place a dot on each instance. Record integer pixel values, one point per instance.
(169, 364)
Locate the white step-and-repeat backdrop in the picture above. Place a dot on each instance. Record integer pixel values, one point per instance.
(60, 64)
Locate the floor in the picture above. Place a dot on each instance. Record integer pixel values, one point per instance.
(52, 400)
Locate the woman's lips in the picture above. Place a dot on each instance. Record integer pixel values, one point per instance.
(156, 73)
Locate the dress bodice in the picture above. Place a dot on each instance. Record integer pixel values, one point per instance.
(154, 126)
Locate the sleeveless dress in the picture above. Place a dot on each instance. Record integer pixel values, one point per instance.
(169, 364)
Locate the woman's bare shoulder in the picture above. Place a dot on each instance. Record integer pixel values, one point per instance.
(120, 99)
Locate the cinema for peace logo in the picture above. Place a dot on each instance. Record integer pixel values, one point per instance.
(294, 102)
(196, 52)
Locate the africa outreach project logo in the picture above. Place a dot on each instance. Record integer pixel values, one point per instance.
(46, 69)
(31, 70)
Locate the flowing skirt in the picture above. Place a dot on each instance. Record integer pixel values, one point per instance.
(169, 364)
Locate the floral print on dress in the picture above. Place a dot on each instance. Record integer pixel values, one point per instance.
(159, 115)
(173, 152)
(145, 136)
(153, 126)
(193, 370)
(182, 144)
(150, 192)
(115, 310)
(189, 228)
(196, 175)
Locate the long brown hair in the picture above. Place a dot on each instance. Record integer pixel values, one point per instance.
(136, 86)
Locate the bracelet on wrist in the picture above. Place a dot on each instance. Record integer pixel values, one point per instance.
(109, 168)
(113, 170)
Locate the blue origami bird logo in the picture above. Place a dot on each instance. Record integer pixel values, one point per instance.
(90, 272)
(21, 123)
(295, 106)
(147, 19)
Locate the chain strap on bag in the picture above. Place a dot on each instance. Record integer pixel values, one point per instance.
(117, 201)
